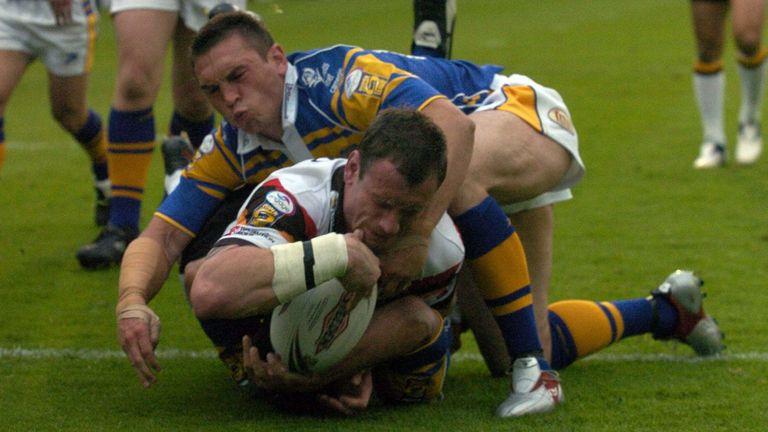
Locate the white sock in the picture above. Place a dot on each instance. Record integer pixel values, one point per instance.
(709, 90)
(752, 80)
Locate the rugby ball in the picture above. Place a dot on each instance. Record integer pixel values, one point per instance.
(318, 328)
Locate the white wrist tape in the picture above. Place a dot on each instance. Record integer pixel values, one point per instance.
(144, 313)
(300, 266)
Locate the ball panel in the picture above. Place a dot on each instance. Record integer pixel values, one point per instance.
(318, 328)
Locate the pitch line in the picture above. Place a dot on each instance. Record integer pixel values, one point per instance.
(460, 357)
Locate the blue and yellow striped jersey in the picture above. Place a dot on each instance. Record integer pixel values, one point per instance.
(330, 97)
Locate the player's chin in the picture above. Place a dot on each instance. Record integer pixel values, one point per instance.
(375, 242)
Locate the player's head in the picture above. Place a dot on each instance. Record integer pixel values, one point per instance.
(223, 25)
(241, 71)
(392, 175)
(411, 140)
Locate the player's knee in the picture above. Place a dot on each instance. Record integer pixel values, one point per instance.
(423, 321)
(747, 41)
(418, 376)
(70, 118)
(137, 86)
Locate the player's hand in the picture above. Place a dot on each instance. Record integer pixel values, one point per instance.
(402, 264)
(350, 396)
(62, 10)
(362, 265)
(273, 375)
(138, 329)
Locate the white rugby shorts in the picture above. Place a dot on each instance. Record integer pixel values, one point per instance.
(29, 26)
(194, 13)
(555, 123)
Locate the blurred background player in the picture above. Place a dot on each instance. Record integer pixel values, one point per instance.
(709, 78)
(143, 31)
(61, 34)
(433, 26)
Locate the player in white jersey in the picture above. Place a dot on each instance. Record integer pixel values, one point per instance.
(305, 207)
(61, 34)
(344, 212)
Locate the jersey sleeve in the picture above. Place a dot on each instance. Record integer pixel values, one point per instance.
(372, 84)
(270, 216)
(214, 172)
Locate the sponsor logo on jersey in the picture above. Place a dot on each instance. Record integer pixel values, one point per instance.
(364, 83)
(281, 202)
(207, 145)
(352, 81)
(561, 118)
(311, 77)
(264, 215)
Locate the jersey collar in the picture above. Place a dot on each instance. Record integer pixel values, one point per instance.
(292, 144)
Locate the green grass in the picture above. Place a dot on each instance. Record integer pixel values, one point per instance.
(624, 69)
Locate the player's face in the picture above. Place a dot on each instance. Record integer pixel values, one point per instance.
(381, 203)
(245, 88)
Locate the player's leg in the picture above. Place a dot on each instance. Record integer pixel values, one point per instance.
(475, 316)
(12, 67)
(747, 17)
(417, 374)
(709, 80)
(673, 311)
(69, 108)
(192, 118)
(142, 37)
(582, 327)
(433, 25)
(535, 227)
(532, 164)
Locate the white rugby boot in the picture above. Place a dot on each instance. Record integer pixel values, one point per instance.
(749, 144)
(711, 155)
(694, 327)
(533, 390)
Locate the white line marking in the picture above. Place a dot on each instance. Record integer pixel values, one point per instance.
(172, 353)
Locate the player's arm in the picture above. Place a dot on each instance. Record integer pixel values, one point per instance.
(459, 133)
(403, 263)
(145, 266)
(239, 280)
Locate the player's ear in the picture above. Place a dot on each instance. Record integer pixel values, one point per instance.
(352, 169)
(276, 55)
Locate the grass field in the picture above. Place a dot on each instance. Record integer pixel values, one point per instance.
(623, 67)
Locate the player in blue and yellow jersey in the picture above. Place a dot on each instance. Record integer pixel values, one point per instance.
(61, 34)
(506, 135)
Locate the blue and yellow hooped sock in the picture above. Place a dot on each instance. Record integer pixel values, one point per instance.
(500, 271)
(580, 327)
(131, 142)
(93, 140)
